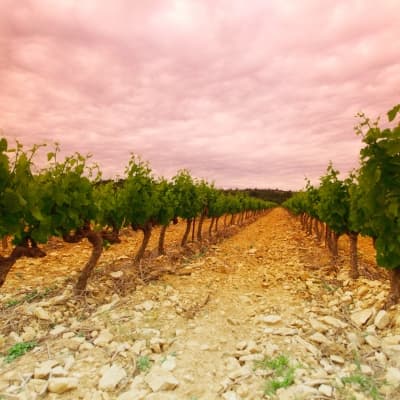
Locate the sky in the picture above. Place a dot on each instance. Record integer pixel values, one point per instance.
(246, 93)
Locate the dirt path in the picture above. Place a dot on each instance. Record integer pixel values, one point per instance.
(259, 315)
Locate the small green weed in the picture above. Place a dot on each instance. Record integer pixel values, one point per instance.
(326, 286)
(278, 364)
(366, 384)
(12, 303)
(30, 296)
(36, 294)
(283, 373)
(18, 350)
(143, 363)
(284, 381)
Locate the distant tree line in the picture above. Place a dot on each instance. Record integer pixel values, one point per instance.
(274, 195)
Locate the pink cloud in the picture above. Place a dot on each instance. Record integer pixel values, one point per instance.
(246, 94)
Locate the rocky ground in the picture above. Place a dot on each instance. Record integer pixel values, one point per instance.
(259, 315)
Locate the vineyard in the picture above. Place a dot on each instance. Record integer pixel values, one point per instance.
(367, 202)
(153, 289)
(69, 200)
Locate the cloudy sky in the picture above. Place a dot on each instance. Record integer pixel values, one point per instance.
(248, 93)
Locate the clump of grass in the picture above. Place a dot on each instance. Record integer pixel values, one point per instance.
(365, 383)
(143, 363)
(12, 303)
(283, 373)
(18, 350)
(30, 297)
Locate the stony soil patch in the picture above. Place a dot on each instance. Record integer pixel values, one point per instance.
(259, 315)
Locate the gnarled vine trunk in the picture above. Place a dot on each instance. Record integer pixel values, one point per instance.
(6, 263)
(200, 227)
(96, 240)
(187, 231)
(353, 237)
(394, 293)
(317, 229)
(161, 240)
(334, 239)
(111, 237)
(327, 237)
(321, 228)
(211, 226)
(146, 229)
(309, 225)
(4, 242)
(216, 224)
(193, 228)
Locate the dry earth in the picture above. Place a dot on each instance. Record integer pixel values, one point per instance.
(256, 311)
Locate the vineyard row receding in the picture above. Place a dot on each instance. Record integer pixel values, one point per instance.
(366, 202)
(68, 199)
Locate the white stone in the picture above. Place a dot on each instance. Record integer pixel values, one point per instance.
(281, 331)
(337, 359)
(308, 346)
(328, 367)
(326, 390)
(232, 363)
(36, 385)
(138, 347)
(69, 362)
(393, 376)
(117, 274)
(391, 340)
(366, 369)
(373, 341)
(252, 347)
(105, 337)
(162, 396)
(392, 352)
(58, 371)
(270, 319)
(382, 319)
(159, 379)
(296, 392)
(320, 338)
(111, 377)
(61, 385)
(29, 334)
(354, 340)
(133, 395)
(169, 364)
(57, 330)
(44, 369)
(105, 307)
(318, 326)
(148, 305)
(41, 313)
(14, 337)
(239, 373)
(361, 317)
(241, 345)
(231, 395)
(337, 323)
(381, 358)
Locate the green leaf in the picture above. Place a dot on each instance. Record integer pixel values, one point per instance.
(37, 214)
(3, 145)
(393, 112)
